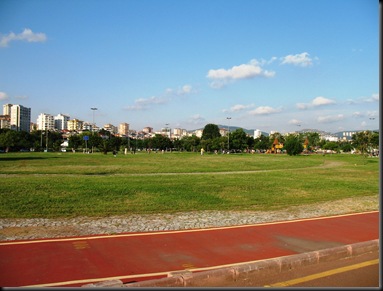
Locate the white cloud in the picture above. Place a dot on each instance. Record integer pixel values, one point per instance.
(237, 108)
(373, 98)
(145, 103)
(369, 114)
(372, 114)
(295, 122)
(264, 110)
(250, 70)
(3, 96)
(196, 119)
(357, 114)
(302, 60)
(317, 101)
(330, 118)
(184, 90)
(27, 35)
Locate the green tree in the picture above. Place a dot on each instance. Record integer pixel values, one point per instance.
(375, 139)
(313, 139)
(190, 143)
(346, 147)
(8, 139)
(161, 142)
(74, 141)
(261, 143)
(104, 146)
(238, 139)
(362, 141)
(293, 145)
(331, 145)
(210, 131)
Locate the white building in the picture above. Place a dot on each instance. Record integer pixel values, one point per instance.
(123, 129)
(45, 122)
(179, 132)
(19, 117)
(111, 128)
(61, 121)
(198, 133)
(257, 133)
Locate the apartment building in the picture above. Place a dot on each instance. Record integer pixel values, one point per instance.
(61, 121)
(179, 132)
(123, 129)
(75, 124)
(5, 121)
(16, 117)
(111, 128)
(148, 129)
(45, 122)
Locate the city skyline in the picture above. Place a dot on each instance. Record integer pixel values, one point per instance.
(268, 65)
(86, 124)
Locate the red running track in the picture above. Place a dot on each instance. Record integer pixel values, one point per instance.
(130, 257)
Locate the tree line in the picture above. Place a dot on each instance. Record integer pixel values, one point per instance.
(211, 141)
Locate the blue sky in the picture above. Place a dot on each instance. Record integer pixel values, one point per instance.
(273, 65)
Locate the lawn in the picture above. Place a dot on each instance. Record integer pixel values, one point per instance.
(51, 185)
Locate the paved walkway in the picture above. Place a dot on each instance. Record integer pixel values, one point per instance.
(140, 256)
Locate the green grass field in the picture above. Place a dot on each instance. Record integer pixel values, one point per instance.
(52, 185)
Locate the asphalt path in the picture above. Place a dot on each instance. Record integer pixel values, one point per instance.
(131, 257)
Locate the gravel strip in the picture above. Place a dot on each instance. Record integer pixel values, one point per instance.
(24, 229)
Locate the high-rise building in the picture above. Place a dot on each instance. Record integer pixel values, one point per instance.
(7, 109)
(179, 132)
(111, 128)
(75, 124)
(61, 121)
(5, 121)
(257, 133)
(20, 117)
(123, 129)
(45, 122)
(148, 129)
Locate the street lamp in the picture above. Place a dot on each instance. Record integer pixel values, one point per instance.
(228, 134)
(93, 109)
(167, 129)
(93, 125)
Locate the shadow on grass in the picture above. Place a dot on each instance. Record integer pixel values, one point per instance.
(25, 158)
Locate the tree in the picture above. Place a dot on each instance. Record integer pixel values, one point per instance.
(161, 142)
(346, 147)
(210, 131)
(261, 143)
(104, 146)
(8, 139)
(362, 141)
(331, 145)
(190, 143)
(74, 141)
(238, 139)
(314, 139)
(293, 145)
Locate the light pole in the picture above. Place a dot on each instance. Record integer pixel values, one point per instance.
(167, 129)
(93, 125)
(228, 134)
(93, 109)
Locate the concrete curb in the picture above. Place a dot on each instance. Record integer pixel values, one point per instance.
(246, 274)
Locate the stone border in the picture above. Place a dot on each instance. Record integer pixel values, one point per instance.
(246, 274)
